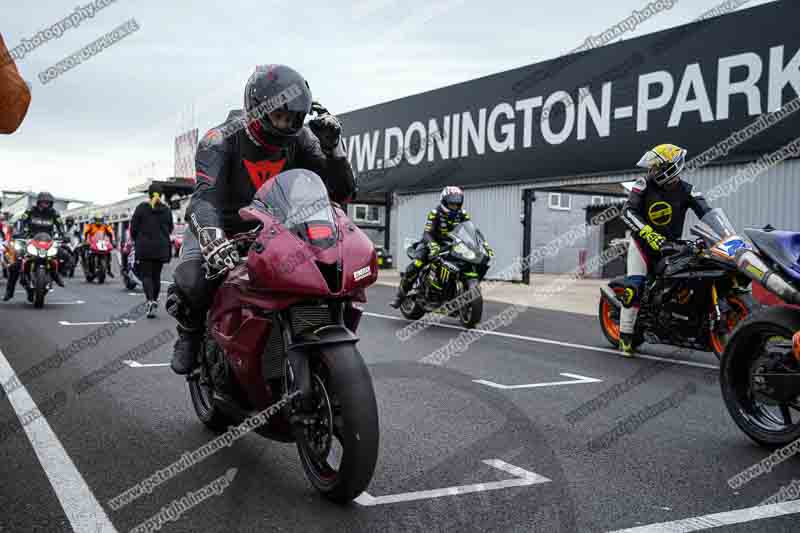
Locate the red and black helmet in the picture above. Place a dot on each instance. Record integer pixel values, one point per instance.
(271, 88)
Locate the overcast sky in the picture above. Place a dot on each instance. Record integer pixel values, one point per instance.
(102, 126)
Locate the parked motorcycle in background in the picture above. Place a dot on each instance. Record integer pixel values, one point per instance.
(127, 263)
(39, 262)
(694, 297)
(96, 257)
(458, 268)
(176, 239)
(67, 259)
(263, 345)
(760, 369)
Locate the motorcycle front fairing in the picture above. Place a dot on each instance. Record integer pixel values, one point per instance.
(306, 252)
(468, 247)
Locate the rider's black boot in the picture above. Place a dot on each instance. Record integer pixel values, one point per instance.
(186, 348)
(57, 278)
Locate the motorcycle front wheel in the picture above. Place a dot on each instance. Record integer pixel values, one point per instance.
(740, 310)
(746, 370)
(39, 288)
(470, 313)
(339, 449)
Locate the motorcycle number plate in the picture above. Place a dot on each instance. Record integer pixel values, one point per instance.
(728, 247)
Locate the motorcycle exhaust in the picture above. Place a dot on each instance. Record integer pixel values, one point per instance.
(611, 296)
(753, 266)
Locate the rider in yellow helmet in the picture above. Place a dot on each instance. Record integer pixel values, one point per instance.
(655, 213)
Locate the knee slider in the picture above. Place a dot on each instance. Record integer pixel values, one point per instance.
(634, 285)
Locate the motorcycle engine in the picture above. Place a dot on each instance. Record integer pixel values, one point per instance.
(677, 308)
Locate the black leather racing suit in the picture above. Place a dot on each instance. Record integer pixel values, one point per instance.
(438, 226)
(229, 172)
(664, 210)
(33, 221)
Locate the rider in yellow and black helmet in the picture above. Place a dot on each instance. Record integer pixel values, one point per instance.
(655, 213)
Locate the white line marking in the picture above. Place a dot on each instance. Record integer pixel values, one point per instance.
(136, 364)
(76, 302)
(623, 112)
(523, 478)
(709, 521)
(577, 379)
(68, 323)
(82, 509)
(559, 343)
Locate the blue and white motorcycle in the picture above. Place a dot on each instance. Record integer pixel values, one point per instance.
(760, 368)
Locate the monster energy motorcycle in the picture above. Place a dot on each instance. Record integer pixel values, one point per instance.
(455, 271)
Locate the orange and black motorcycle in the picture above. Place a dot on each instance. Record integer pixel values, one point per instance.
(695, 296)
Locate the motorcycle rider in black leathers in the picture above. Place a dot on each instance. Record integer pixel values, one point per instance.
(440, 222)
(39, 218)
(655, 213)
(232, 162)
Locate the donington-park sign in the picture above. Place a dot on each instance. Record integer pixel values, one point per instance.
(592, 112)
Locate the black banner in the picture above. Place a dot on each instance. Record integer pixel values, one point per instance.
(591, 112)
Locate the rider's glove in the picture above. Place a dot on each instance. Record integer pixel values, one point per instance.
(217, 250)
(433, 248)
(488, 249)
(653, 238)
(328, 130)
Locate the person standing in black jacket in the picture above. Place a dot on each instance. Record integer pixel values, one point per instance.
(151, 226)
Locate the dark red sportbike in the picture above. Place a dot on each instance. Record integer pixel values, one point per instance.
(283, 323)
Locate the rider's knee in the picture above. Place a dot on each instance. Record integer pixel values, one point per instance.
(634, 286)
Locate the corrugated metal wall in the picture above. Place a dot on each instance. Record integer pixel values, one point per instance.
(495, 210)
(774, 198)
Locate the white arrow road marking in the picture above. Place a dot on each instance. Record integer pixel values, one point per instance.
(709, 521)
(523, 478)
(136, 364)
(68, 323)
(80, 506)
(577, 379)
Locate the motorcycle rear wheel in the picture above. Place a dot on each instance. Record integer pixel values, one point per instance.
(201, 391)
(609, 315)
(346, 429)
(411, 309)
(756, 419)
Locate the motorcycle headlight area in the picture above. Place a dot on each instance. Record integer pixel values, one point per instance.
(52, 251)
(31, 249)
(463, 251)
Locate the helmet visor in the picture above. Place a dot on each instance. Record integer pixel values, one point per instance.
(663, 172)
(285, 121)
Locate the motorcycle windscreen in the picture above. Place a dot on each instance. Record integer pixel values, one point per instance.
(470, 237)
(42, 236)
(299, 200)
(714, 227)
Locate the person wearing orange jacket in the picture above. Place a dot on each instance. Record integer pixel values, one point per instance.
(15, 96)
(99, 224)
